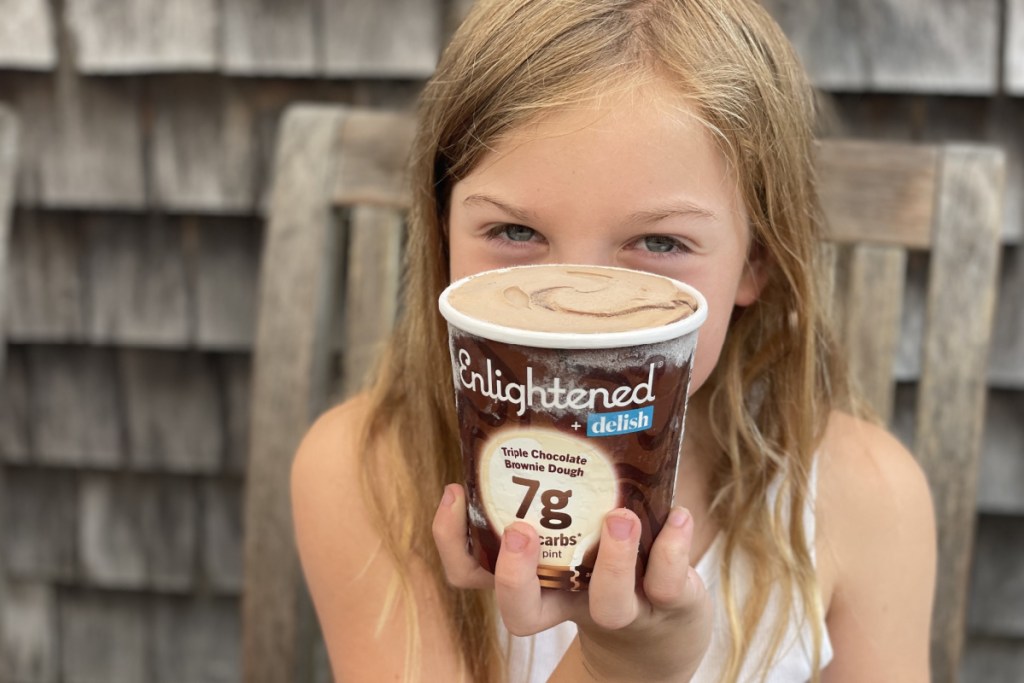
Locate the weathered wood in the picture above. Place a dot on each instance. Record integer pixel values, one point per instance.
(14, 408)
(195, 641)
(104, 637)
(870, 296)
(951, 397)
(28, 651)
(236, 380)
(226, 281)
(81, 142)
(222, 535)
(1001, 478)
(997, 581)
(47, 283)
(908, 350)
(934, 46)
(26, 35)
(203, 146)
(40, 513)
(878, 192)
(271, 38)
(1007, 132)
(387, 38)
(992, 660)
(1014, 59)
(75, 417)
(8, 162)
(144, 36)
(1006, 366)
(457, 11)
(172, 411)
(372, 169)
(138, 276)
(371, 289)
(138, 532)
(296, 287)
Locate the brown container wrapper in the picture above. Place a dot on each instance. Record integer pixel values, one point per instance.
(559, 437)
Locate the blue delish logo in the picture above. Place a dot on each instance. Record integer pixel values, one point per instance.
(612, 424)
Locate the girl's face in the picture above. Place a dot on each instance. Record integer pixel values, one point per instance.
(629, 182)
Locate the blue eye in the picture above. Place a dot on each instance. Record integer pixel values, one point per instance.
(518, 233)
(660, 244)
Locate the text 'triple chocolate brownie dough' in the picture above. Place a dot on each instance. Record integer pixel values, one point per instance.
(570, 386)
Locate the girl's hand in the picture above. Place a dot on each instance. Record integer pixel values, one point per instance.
(658, 632)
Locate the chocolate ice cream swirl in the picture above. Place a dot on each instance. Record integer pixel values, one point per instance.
(568, 298)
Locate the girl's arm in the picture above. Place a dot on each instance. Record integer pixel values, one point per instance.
(347, 573)
(877, 537)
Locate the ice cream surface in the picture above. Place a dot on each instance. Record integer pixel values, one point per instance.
(570, 298)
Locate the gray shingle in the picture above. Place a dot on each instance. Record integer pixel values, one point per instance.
(992, 660)
(196, 641)
(173, 411)
(1006, 363)
(40, 511)
(26, 35)
(236, 369)
(1001, 478)
(997, 577)
(227, 276)
(28, 635)
(144, 36)
(387, 38)
(1015, 47)
(74, 413)
(104, 638)
(14, 407)
(222, 534)
(269, 38)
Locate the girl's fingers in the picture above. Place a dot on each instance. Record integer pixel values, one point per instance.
(613, 600)
(449, 528)
(669, 582)
(525, 607)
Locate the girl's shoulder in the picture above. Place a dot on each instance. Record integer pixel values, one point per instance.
(351, 578)
(875, 536)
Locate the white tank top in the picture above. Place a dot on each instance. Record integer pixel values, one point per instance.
(533, 659)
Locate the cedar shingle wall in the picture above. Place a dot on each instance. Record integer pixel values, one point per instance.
(147, 133)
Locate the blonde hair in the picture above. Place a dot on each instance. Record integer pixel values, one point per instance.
(777, 378)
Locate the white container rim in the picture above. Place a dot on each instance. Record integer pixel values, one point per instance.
(573, 340)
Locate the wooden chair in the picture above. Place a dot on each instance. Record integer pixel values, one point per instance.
(332, 252)
(8, 164)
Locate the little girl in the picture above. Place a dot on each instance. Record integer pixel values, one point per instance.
(671, 136)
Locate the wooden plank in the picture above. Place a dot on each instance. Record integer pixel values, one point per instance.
(1001, 479)
(457, 11)
(907, 367)
(138, 277)
(869, 288)
(1014, 58)
(75, 417)
(227, 272)
(372, 170)
(222, 535)
(271, 38)
(8, 164)
(884, 187)
(28, 649)
(296, 287)
(143, 36)
(203, 150)
(26, 35)
(1007, 132)
(236, 378)
(173, 411)
(14, 407)
(48, 285)
(40, 517)
(104, 637)
(371, 289)
(195, 640)
(992, 660)
(997, 580)
(383, 39)
(934, 46)
(1006, 366)
(138, 532)
(951, 398)
(82, 142)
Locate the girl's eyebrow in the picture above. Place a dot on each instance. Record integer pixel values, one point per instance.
(517, 213)
(684, 209)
